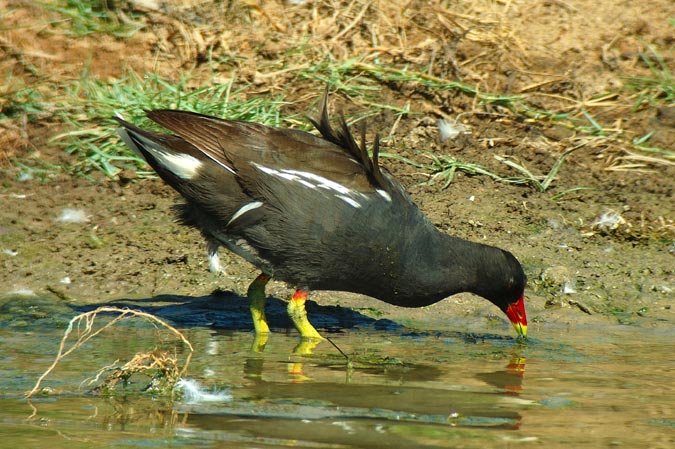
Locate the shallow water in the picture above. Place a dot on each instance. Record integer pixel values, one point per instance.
(609, 387)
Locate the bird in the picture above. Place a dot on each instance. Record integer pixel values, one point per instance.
(317, 212)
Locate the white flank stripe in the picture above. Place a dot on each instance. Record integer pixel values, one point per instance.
(306, 183)
(321, 181)
(262, 168)
(312, 181)
(293, 175)
(287, 176)
(182, 165)
(384, 194)
(350, 201)
(245, 208)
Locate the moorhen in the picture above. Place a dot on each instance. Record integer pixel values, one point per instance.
(318, 213)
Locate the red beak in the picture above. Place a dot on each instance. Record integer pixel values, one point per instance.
(516, 313)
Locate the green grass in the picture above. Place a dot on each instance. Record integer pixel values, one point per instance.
(19, 101)
(651, 92)
(443, 168)
(657, 88)
(36, 169)
(92, 131)
(364, 82)
(87, 104)
(93, 141)
(541, 184)
(642, 144)
(92, 136)
(94, 17)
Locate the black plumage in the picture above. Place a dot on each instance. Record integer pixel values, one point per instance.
(318, 212)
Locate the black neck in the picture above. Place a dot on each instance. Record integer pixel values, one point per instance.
(440, 265)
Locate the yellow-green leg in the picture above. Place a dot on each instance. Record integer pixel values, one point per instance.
(298, 314)
(257, 298)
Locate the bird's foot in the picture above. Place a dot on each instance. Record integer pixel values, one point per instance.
(257, 298)
(298, 314)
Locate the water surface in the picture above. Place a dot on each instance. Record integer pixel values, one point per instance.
(609, 387)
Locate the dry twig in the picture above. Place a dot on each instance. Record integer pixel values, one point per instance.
(89, 332)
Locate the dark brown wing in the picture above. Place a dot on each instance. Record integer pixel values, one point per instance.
(236, 144)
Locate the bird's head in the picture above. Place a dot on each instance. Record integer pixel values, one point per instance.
(507, 289)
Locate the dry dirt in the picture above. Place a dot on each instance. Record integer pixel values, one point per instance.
(560, 55)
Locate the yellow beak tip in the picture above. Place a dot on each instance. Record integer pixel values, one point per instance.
(521, 329)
